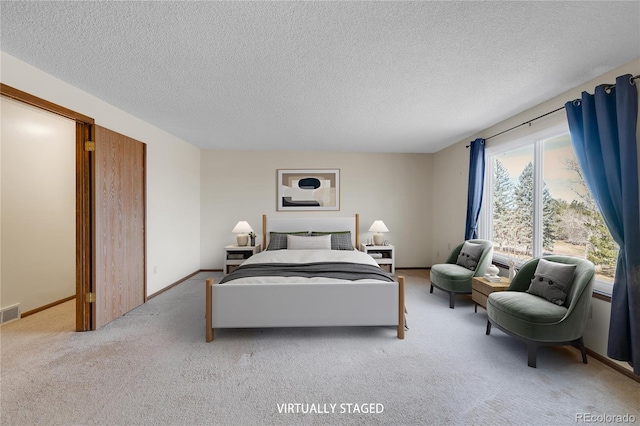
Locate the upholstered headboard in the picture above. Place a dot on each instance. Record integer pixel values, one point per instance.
(319, 224)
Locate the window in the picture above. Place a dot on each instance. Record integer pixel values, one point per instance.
(536, 203)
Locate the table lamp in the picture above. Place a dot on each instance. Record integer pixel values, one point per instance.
(378, 228)
(242, 228)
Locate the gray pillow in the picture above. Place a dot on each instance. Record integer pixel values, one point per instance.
(278, 240)
(470, 255)
(552, 281)
(340, 240)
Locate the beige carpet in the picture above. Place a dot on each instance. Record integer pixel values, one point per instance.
(153, 366)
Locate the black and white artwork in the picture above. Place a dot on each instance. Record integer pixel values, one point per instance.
(316, 189)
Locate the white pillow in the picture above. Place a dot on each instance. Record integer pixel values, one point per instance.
(296, 242)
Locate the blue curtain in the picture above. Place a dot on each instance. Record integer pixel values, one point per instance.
(476, 185)
(603, 134)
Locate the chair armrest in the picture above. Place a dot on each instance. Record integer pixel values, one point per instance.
(522, 280)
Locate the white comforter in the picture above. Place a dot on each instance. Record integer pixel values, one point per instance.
(305, 256)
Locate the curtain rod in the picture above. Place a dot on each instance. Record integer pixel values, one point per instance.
(525, 123)
(632, 80)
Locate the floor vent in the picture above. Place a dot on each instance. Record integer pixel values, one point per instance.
(10, 313)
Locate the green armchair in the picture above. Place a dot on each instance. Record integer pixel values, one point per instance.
(454, 278)
(536, 320)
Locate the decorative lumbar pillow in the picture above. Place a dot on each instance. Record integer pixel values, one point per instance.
(552, 281)
(296, 242)
(470, 255)
(340, 240)
(278, 240)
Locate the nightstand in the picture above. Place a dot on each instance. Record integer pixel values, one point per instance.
(235, 255)
(385, 256)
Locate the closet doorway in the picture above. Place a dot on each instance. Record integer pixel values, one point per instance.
(110, 270)
(38, 209)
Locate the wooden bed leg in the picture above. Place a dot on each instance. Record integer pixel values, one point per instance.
(209, 314)
(401, 307)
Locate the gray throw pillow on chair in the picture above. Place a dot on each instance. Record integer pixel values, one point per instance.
(552, 281)
(470, 255)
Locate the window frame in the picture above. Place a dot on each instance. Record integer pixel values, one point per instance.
(485, 221)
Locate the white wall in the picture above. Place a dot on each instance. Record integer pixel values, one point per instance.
(38, 206)
(452, 165)
(173, 172)
(241, 185)
(449, 198)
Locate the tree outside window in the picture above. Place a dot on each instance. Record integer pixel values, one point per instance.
(568, 221)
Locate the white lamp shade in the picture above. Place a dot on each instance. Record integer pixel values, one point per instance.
(378, 226)
(242, 227)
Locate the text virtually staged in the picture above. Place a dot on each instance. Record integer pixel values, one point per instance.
(330, 408)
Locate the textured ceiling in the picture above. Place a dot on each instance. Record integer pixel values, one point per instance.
(355, 76)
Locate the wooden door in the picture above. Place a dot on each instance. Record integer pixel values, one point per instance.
(119, 226)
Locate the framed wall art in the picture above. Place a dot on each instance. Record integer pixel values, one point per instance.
(312, 189)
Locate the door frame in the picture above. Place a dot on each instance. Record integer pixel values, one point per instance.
(84, 210)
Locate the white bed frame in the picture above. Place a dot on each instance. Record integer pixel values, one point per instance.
(305, 305)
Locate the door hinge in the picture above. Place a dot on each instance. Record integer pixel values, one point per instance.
(90, 297)
(89, 146)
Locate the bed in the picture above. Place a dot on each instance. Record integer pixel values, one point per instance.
(272, 300)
